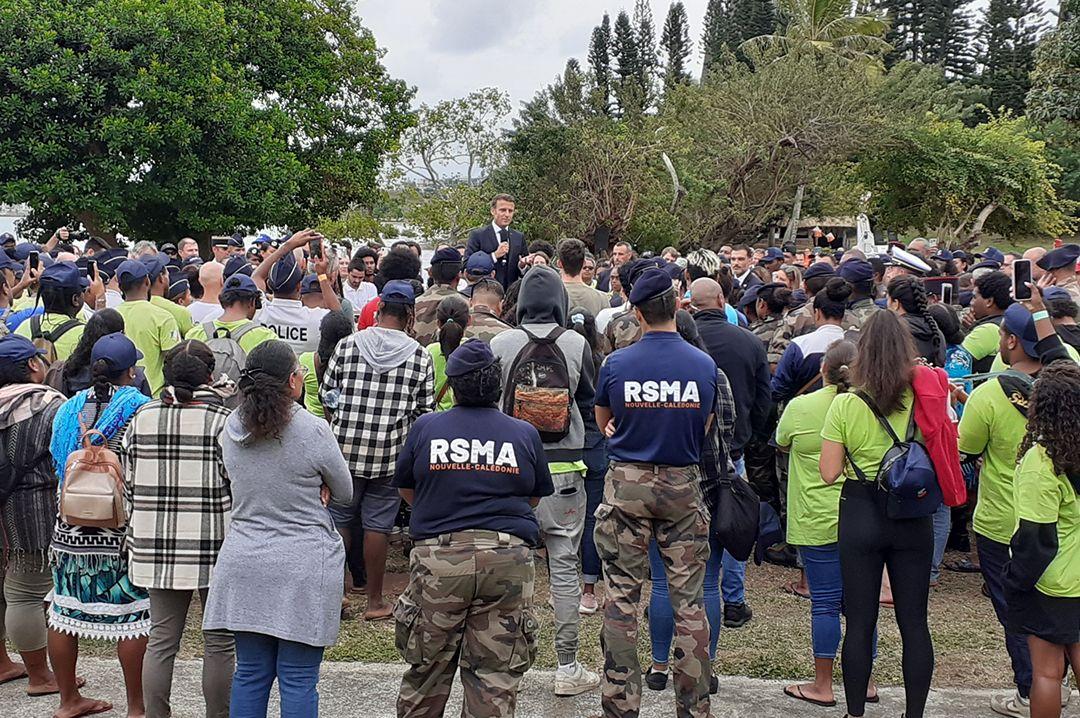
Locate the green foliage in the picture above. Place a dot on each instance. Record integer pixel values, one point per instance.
(825, 28)
(354, 223)
(600, 64)
(676, 44)
(1010, 32)
(716, 36)
(1055, 84)
(159, 118)
(449, 213)
(943, 176)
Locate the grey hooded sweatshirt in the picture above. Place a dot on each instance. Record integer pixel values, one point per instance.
(542, 306)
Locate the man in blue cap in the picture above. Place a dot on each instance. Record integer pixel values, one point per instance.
(445, 273)
(375, 385)
(157, 268)
(472, 475)
(773, 259)
(1060, 266)
(991, 428)
(479, 266)
(992, 254)
(58, 330)
(859, 273)
(656, 399)
(152, 328)
(295, 324)
(237, 265)
(240, 300)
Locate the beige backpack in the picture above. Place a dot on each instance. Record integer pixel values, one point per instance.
(93, 492)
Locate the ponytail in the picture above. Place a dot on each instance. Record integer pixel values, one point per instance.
(910, 293)
(102, 380)
(836, 364)
(188, 366)
(452, 316)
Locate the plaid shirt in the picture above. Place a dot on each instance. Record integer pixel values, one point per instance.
(179, 492)
(715, 452)
(371, 412)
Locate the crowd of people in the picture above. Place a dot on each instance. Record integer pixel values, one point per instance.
(254, 428)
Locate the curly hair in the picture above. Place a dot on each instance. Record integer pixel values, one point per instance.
(188, 365)
(910, 292)
(481, 387)
(266, 406)
(1054, 418)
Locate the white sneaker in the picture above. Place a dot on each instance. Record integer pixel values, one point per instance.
(1066, 691)
(574, 680)
(1011, 705)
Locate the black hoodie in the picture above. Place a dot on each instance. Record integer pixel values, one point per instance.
(924, 336)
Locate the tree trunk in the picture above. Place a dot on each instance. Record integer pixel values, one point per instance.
(796, 213)
(93, 225)
(976, 229)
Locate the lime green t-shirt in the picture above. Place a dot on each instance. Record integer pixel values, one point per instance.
(813, 505)
(154, 332)
(982, 341)
(182, 315)
(1000, 365)
(67, 342)
(26, 301)
(1043, 496)
(311, 386)
(438, 362)
(851, 423)
(991, 426)
(248, 341)
(567, 467)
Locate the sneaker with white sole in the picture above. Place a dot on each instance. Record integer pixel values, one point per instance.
(588, 604)
(1011, 705)
(574, 680)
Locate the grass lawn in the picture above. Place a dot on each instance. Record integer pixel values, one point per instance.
(968, 643)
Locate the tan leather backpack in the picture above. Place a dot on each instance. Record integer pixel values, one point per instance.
(93, 492)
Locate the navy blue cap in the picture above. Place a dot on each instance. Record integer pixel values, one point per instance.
(63, 275)
(993, 254)
(237, 264)
(117, 351)
(155, 264)
(470, 356)
(132, 269)
(986, 264)
(674, 271)
(16, 348)
(192, 261)
(219, 241)
(749, 296)
(960, 254)
(263, 239)
(22, 251)
(398, 291)
(1061, 257)
(446, 255)
(1053, 293)
(651, 284)
(237, 240)
(178, 284)
(773, 253)
(110, 259)
(7, 238)
(241, 284)
(310, 285)
(944, 255)
(856, 270)
(1018, 321)
(819, 269)
(479, 264)
(7, 262)
(285, 275)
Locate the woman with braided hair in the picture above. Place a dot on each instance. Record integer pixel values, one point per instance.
(180, 502)
(907, 297)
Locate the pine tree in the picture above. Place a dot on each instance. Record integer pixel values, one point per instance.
(948, 38)
(907, 20)
(648, 57)
(675, 41)
(1055, 91)
(715, 36)
(627, 70)
(568, 94)
(1009, 35)
(600, 64)
(751, 18)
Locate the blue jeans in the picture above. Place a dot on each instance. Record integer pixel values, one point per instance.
(822, 565)
(596, 462)
(992, 559)
(942, 526)
(259, 660)
(733, 584)
(662, 616)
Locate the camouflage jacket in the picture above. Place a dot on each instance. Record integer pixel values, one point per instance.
(765, 330)
(1072, 286)
(483, 324)
(622, 331)
(425, 328)
(798, 322)
(862, 310)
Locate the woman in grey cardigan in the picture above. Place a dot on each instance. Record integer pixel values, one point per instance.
(277, 583)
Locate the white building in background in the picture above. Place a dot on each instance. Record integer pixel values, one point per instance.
(10, 214)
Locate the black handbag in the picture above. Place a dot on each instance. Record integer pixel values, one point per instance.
(737, 517)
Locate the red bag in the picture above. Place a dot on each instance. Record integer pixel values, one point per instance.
(931, 388)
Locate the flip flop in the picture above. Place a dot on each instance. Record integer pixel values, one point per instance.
(94, 711)
(873, 699)
(12, 679)
(376, 619)
(80, 682)
(797, 694)
(792, 588)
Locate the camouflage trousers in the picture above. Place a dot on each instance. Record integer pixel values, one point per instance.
(643, 501)
(468, 603)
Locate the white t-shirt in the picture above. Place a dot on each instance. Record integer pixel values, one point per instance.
(202, 312)
(360, 296)
(606, 315)
(113, 298)
(295, 324)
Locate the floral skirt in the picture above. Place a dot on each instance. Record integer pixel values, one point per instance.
(93, 596)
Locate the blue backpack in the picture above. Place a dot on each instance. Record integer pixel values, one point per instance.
(906, 477)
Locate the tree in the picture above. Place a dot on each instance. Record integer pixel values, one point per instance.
(569, 93)
(162, 118)
(826, 28)
(959, 182)
(948, 38)
(1055, 84)
(449, 213)
(600, 64)
(751, 18)
(715, 36)
(1009, 34)
(648, 57)
(676, 43)
(906, 27)
(454, 134)
(627, 67)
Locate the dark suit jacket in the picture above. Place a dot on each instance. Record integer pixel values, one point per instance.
(603, 280)
(483, 239)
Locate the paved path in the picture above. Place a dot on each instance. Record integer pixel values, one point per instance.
(366, 690)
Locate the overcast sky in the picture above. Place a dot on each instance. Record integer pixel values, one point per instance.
(447, 48)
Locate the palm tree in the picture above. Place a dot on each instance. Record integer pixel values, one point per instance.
(830, 28)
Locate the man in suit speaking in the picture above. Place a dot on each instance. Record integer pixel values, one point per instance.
(506, 246)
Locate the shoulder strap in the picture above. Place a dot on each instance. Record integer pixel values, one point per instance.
(551, 338)
(35, 327)
(211, 330)
(881, 419)
(442, 393)
(241, 330)
(807, 385)
(54, 335)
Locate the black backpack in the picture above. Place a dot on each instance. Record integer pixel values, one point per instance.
(46, 341)
(538, 388)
